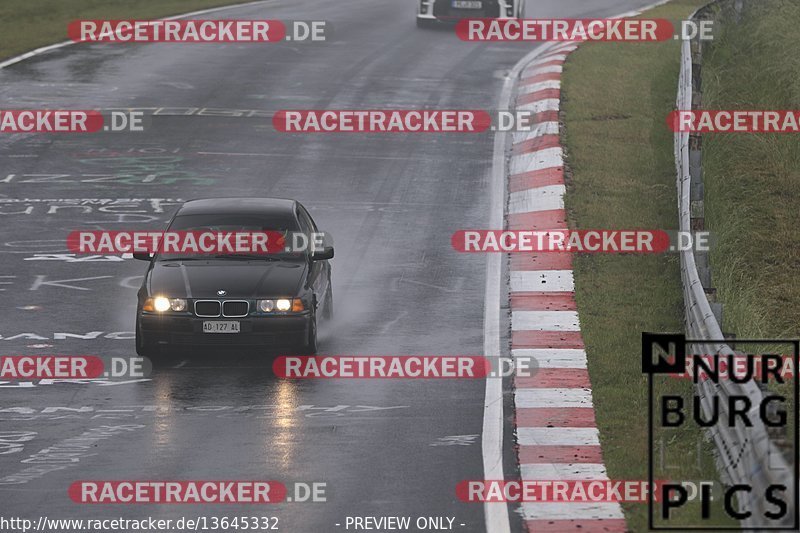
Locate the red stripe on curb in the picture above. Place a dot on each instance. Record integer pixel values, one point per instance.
(539, 95)
(534, 145)
(560, 454)
(545, 116)
(538, 220)
(543, 301)
(547, 339)
(536, 178)
(556, 417)
(547, 76)
(543, 261)
(610, 525)
(555, 378)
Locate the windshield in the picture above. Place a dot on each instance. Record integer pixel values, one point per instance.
(285, 225)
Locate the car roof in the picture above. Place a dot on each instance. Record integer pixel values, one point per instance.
(221, 206)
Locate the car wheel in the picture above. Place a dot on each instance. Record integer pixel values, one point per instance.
(310, 346)
(327, 309)
(424, 23)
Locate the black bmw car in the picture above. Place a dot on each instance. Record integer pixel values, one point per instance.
(235, 299)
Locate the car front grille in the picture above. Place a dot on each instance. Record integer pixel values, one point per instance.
(206, 308)
(235, 308)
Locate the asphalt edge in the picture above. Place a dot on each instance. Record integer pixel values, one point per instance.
(44, 49)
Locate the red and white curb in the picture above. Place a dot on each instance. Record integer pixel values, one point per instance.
(556, 430)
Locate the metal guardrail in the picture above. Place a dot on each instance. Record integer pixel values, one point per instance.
(744, 455)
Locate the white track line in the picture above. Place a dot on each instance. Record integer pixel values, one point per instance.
(496, 514)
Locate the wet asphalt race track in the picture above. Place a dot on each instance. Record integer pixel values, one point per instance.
(390, 201)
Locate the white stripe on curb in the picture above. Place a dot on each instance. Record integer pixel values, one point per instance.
(571, 511)
(541, 129)
(554, 358)
(545, 321)
(557, 436)
(563, 48)
(552, 471)
(538, 86)
(542, 281)
(540, 106)
(545, 198)
(533, 398)
(539, 160)
(550, 57)
(549, 69)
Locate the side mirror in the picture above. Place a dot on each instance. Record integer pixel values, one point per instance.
(142, 256)
(323, 255)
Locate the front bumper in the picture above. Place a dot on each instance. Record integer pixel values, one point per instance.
(278, 331)
(442, 10)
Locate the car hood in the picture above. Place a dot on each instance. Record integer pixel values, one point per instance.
(240, 279)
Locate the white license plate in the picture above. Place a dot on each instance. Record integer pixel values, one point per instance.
(220, 326)
(467, 4)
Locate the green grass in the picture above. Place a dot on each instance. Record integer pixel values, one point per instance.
(752, 181)
(29, 24)
(620, 153)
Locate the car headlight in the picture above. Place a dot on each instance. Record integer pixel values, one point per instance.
(178, 304)
(161, 304)
(282, 305)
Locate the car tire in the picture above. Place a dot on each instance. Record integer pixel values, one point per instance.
(327, 308)
(424, 23)
(310, 345)
(144, 348)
